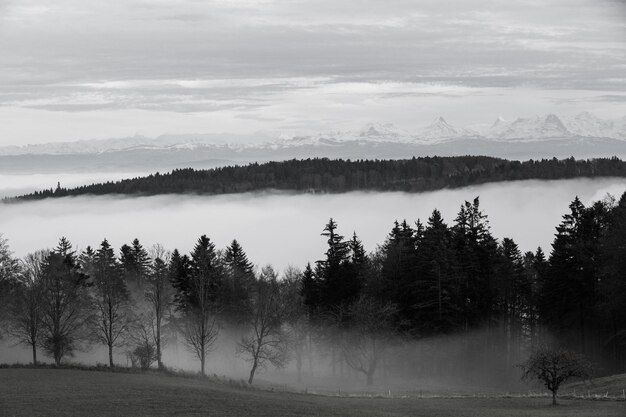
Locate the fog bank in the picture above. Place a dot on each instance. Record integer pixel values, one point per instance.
(284, 229)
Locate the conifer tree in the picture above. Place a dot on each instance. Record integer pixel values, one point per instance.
(111, 298)
(238, 282)
(435, 292)
(197, 282)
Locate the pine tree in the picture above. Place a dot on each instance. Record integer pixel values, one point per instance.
(330, 271)
(435, 309)
(111, 298)
(238, 282)
(197, 282)
(475, 254)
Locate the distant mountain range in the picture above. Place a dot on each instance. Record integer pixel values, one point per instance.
(582, 136)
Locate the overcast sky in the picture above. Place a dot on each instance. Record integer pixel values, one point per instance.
(80, 69)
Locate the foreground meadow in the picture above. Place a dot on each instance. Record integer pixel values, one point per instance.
(61, 392)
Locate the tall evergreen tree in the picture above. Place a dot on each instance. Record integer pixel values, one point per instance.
(238, 282)
(330, 271)
(475, 254)
(612, 289)
(436, 311)
(111, 298)
(198, 285)
(135, 263)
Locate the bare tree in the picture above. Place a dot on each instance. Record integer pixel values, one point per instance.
(159, 295)
(197, 281)
(111, 298)
(143, 350)
(552, 367)
(26, 303)
(365, 342)
(296, 316)
(267, 341)
(65, 303)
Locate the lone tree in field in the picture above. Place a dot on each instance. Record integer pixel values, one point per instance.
(267, 341)
(552, 367)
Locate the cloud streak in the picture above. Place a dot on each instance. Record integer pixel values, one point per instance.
(249, 58)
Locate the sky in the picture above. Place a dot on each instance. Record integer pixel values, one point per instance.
(83, 69)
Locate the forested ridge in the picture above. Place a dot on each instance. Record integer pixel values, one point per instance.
(337, 175)
(433, 300)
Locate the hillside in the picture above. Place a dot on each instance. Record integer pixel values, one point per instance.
(612, 385)
(336, 176)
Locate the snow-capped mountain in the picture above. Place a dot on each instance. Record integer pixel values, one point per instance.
(440, 129)
(582, 136)
(588, 125)
(531, 129)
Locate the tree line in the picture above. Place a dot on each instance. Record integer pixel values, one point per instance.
(322, 175)
(429, 281)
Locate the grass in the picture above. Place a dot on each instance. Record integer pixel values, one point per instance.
(72, 392)
(610, 386)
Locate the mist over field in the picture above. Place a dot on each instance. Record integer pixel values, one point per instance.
(283, 229)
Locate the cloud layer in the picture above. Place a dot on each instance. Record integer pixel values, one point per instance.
(90, 69)
(285, 229)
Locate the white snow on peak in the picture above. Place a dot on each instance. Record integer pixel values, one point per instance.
(588, 125)
(534, 128)
(439, 129)
(583, 126)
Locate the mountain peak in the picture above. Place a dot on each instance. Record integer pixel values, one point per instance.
(440, 121)
(499, 122)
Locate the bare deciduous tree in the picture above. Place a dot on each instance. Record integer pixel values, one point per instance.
(296, 316)
(267, 341)
(552, 367)
(370, 333)
(197, 289)
(111, 299)
(65, 303)
(143, 352)
(159, 295)
(26, 302)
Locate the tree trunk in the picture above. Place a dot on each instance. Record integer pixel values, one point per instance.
(299, 365)
(370, 377)
(111, 355)
(57, 356)
(34, 355)
(252, 371)
(554, 398)
(158, 346)
(202, 361)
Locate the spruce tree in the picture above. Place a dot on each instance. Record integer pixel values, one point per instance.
(111, 297)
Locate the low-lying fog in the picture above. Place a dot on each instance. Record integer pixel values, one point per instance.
(283, 229)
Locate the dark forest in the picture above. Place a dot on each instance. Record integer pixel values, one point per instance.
(322, 175)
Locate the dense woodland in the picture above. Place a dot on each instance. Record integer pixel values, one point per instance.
(433, 300)
(334, 176)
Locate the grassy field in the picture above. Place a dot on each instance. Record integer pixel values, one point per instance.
(614, 386)
(63, 392)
